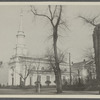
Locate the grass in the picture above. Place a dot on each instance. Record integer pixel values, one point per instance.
(44, 91)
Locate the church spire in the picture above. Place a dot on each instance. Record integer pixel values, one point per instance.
(20, 46)
(21, 23)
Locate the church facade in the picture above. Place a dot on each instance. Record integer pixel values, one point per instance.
(28, 70)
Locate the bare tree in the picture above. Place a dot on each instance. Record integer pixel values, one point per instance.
(25, 71)
(89, 53)
(51, 59)
(55, 19)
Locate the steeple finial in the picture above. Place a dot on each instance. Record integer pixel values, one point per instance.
(21, 24)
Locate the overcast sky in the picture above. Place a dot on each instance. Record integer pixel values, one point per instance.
(37, 31)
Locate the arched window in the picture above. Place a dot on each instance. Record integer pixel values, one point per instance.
(65, 69)
(39, 78)
(48, 78)
(64, 77)
(42, 68)
(64, 80)
(93, 70)
(34, 68)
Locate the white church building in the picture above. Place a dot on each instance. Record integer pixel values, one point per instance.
(29, 70)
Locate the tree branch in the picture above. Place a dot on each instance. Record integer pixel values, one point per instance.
(27, 73)
(64, 24)
(59, 16)
(54, 11)
(88, 20)
(42, 15)
(50, 12)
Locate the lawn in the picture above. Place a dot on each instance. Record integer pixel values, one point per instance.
(44, 91)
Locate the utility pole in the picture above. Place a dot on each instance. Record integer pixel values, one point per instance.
(70, 68)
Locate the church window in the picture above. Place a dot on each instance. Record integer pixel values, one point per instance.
(39, 78)
(30, 80)
(42, 68)
(65, 69)
(48, 78)
(93, 70)
(34, 68)
(64, 77)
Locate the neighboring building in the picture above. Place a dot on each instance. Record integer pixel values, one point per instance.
(83, 71)
(91, 69)
(30, 68)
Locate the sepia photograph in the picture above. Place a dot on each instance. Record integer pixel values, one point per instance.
(49, 49)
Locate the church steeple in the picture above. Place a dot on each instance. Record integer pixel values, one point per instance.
(20, 35)
(20, 46)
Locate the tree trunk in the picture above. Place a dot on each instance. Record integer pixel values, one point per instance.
(30, 81)
(12, 81)
(24, 82)
(96, 42)
(57, 69)
(20, 81)
(58, 81)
